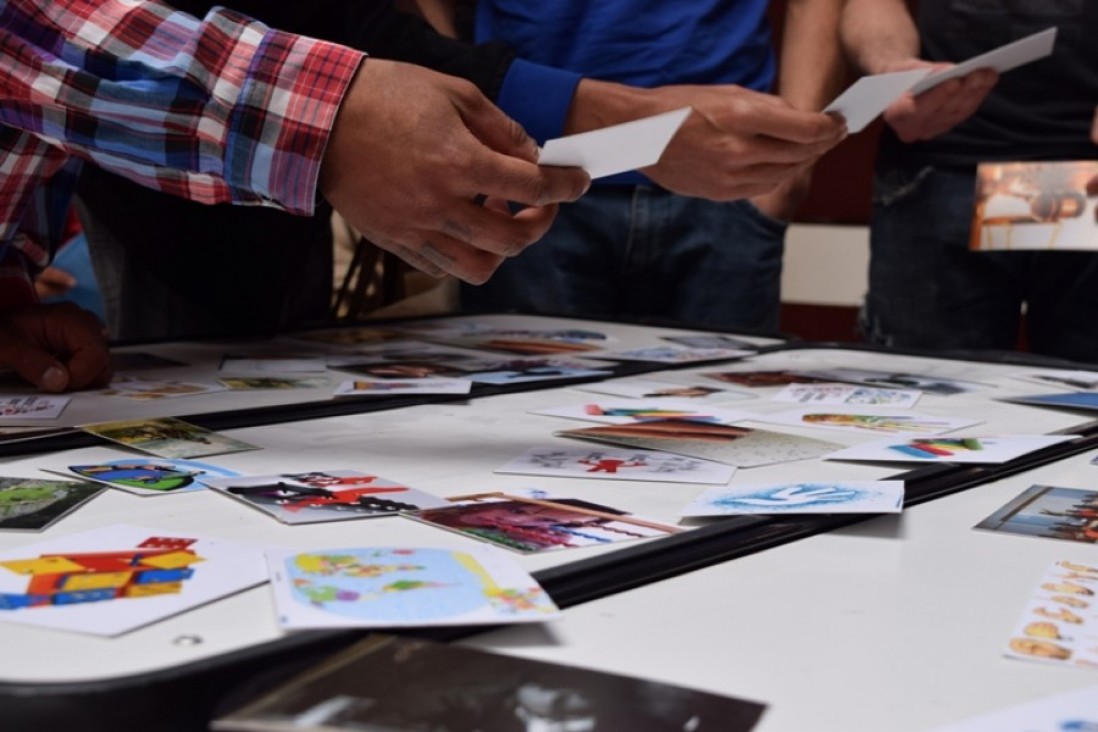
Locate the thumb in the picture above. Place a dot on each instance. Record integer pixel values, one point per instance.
(38, 367)
(496, 130)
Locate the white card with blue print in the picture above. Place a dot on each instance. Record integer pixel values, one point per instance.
(865, 496)
(836, 394)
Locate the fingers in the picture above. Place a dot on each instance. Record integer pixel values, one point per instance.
(496, 130)
(439, 255)
(783, 122)
(942, 108)
(523, 182)
(55, 347)
(1094, 128)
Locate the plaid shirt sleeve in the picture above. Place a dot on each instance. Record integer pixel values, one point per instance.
(221, 109)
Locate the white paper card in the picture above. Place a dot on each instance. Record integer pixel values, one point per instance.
(618, 148)
(867, 97)
(863, 496)
(1004, 58)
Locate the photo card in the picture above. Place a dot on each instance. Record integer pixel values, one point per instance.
(854, 496)
(33, 504)
(1059, 624)
(20, 408)
(1048, 512)
(532, 526)
(152, 476)
(628, 412)
(868, 420)
(167, 437)
(610, 464)
(839, 394)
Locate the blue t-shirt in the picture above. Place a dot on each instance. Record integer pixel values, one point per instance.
(638, 42)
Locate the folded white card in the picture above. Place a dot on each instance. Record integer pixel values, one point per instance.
(618, 148)
(867, 97)
(1003, 58)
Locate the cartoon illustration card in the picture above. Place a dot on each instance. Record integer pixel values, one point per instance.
(388, 682)
(1032, 205)
(1075, 380)
(855, 496)
(128, 387)
(976, 449)
(674, 354)
(401, 587)
(868, 420)
(32, 504)
(1072, 710)
(627, 412)
(925, 383)
(327, 495)
(608, 464)
(15, 408)
(739, 446)
(167, 437)
(253, 383)
(654, 389)
(836, 394)
(1060, 623)
(152, 476)
(533, 526)
(111, 580)
(391, 387)
(1049, 512)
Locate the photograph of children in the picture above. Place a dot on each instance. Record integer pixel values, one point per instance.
(167, 437)
(531, 526)
(152, 477)
(31, 504)
(739, 446)
(755, 379)
(329, 495)
(1035, 205)
(1049, 512)
(1058, 624)
(399, 683)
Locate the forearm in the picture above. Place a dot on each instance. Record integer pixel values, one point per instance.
(878, 35)
(811, 67)
(221, 109)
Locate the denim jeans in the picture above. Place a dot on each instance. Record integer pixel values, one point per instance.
(641, 252)
(927, 290)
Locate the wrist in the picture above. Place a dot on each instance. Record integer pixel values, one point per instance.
(597, 104)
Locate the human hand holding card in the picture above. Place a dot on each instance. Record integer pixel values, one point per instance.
(866, 98)
(1004, 58)
(618, 148)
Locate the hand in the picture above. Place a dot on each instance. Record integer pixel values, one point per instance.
(940, 109)
(738, 143)
(55, 347)
(782, 202)
(412, 155)
(52, 282)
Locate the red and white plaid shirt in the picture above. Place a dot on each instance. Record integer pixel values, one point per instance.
(221, 109)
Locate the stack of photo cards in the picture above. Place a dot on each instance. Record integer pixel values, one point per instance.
(115, 579)
(324, 495)
(167, 437)
(397, 683)
(531, 525)
(862, 496)
(628, 412)
(402, 587)
(739, 446)
(609, 464)
(32, 504)
(1048, 511)
(1059, 624)
(152, 476)
(977, 449)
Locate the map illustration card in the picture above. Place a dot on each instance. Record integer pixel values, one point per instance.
(33, 504)
(627, 412)
(1059, 624)
(864, 496)
(609, 464)
(115, 579)
(1043, 206)
(387, 587)
(836, 394)
(167, 437)
(17, 408)
(152, 476)
(533, 526)
(978, 449)
(399, 683)
(868, 420)
(1049, 512)
(328, 495)
(393, 387)
(739, 446)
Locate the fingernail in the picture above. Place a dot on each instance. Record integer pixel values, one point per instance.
(54, 379)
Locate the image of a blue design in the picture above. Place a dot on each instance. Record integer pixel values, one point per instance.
(795, 496)
(385, 584)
